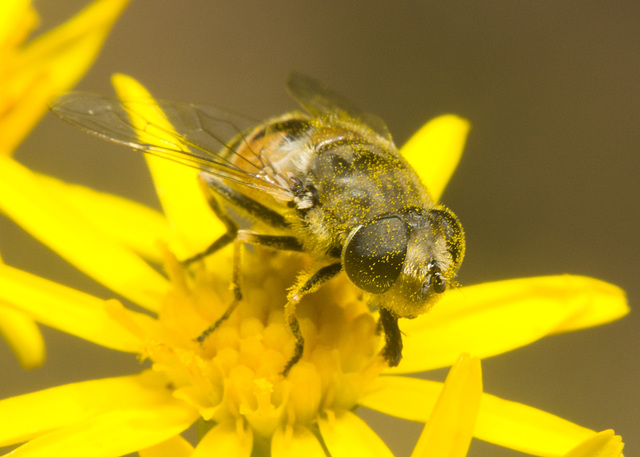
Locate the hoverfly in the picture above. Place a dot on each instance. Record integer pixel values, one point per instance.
(328, 181)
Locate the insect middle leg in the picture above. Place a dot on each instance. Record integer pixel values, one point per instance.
(237, 296)
(226, 238)
(215, 190)
(243, 236)
(310, 285)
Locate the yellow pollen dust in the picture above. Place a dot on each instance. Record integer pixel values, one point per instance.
(235, 373)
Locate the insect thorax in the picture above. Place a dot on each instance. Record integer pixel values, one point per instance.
(351, 179)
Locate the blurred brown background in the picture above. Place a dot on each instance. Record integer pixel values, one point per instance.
(548, 184)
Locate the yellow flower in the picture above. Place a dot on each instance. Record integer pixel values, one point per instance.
(30, 75)
(231, 384)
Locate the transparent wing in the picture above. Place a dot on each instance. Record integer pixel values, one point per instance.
(199, 137)
(319, 100)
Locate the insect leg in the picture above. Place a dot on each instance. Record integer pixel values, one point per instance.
(289, 243)
(222, 241)
(310, 285)
(214, 189)
(237, 296)
(392, 350)
(284, 243)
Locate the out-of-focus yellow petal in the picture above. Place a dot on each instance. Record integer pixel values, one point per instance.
(75, 238)
(603, 444)
(176, 446)
(17, 19)
(116, 432)
(496, 317)
(603, 303)
(51, 64)
(177, 185)
(137, 226)
(346, 435)
(23, 336)
(502, 422)
(295, 442)
(450, 426)
(435, 150)
(35, 414)
(226, 438)
(66, 309)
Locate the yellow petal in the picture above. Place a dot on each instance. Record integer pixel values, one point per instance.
(53, 63)
(75, 238)
(496, 317)
(64, 308)
(226, 438)
(400, 396)
(23, 336)
(346, 435)
(31, 415)
(526, 429)
(135, 225)
(17, 19)
(603, 444)
(502, 422)
(603, 303)
(177, 185)
(295, 442)
(435, 150)
(450, 426)
(116, 432)
(176, 446)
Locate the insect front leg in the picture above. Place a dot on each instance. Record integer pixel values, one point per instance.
(392, 350)
(310, 285)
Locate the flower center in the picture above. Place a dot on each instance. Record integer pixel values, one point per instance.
(235, 373)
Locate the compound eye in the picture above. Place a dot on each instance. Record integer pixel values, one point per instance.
(374, 253)
(452, 231)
